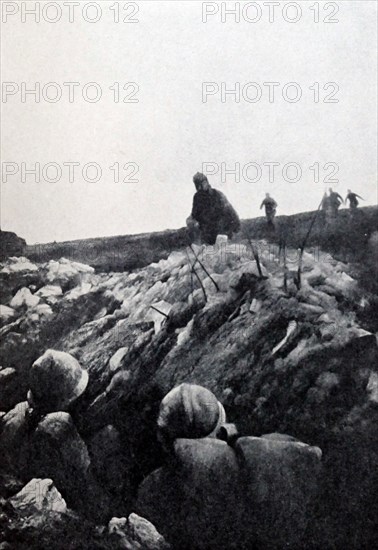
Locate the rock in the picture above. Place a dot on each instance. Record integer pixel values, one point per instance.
(220, 280)
(119, 382)
(315, 277)
(18, 265)
(79, 291)
(43, 529)
(65, 273)
(309, 309)
(372, 387)
(327, 380)
(12, 438)
(343, 283)
(289, 332)
(136, 533)
(43, 311)
(9, 383)
(101, 314)
(255, 305)
(6, 314)
(24, 298)
(38, 494)
(157, 317)
(328, 331)
(184, 334)
(50, 293)
(116, 360)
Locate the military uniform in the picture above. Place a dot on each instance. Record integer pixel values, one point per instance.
(214, 214)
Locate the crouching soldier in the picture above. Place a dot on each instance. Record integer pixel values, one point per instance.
(249, 492)
(212, 214)
(39, 438)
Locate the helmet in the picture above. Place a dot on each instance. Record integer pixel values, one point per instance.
(56, 379)
(198, 178)
(189, 411)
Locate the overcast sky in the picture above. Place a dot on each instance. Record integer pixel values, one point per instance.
(173, 129)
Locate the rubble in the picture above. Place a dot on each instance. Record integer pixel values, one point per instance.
(24, 298)
(50, 293)
(65, 272)
(18, 264)
(136, 533)
(6, 314)
(299, 361)
(39, 494)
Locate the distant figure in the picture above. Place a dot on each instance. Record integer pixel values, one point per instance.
(212, 214)
(352, 198)
(270, 208)
(325, 202)
(335, 201)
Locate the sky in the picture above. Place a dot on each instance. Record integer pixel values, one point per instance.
(179, 124)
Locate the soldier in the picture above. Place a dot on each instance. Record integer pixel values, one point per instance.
(270, 208)
(212, 214)
(39, 438)
(352, 198)
(229, 494)
(335, 201)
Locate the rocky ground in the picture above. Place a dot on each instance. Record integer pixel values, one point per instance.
(281, 354)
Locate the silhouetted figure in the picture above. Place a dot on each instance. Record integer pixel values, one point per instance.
(212, 214)
(270, 208)
(325, 202)
(335, 201)
(352, 198)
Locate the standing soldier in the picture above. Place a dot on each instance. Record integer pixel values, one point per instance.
(335, 201)
(212, 214)
(352, 198)
(270, 208)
